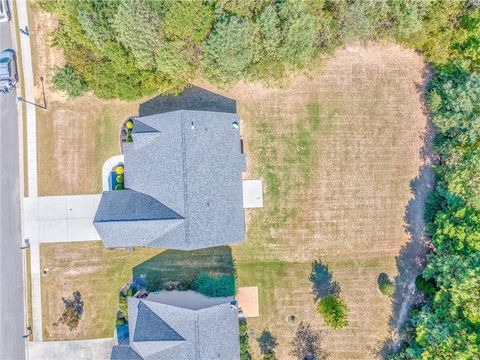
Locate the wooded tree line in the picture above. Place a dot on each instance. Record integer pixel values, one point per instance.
(447, 326)
(132, 48)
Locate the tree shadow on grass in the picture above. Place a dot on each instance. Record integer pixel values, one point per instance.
(267, 342)
(192, 98)
(322, 281)
(412, 257)
(178, 265)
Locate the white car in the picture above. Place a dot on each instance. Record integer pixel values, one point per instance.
(4, 11)
(8, 70)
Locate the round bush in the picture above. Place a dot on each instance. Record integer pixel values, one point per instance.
(118, 187)
(119, 178)
(386, 287)
(119, 170)
(129, 124)
(334, 311)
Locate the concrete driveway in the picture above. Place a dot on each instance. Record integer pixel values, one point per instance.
(96, 349)
(60, 218)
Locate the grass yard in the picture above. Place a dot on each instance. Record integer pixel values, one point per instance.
(99, 274)
(337, 153)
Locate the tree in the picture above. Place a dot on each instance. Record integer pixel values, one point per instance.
(138, 28)
(334, 311)
(307, 344)
(298, 33)
(230, 49)
(65, 79)
(188, 21)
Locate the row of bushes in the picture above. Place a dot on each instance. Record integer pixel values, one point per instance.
(133, 48)
(206, 284)
(448, 324)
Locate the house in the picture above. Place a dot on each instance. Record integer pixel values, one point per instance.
(164, 331)
(182, 184)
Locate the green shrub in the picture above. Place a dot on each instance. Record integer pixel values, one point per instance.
(214, 286)
(244, 345)
(334, 311)
(123, 306)
(119, 178)
(385, 285)
(65, 79)
(428, 287)
(154, 283)
(120, 321)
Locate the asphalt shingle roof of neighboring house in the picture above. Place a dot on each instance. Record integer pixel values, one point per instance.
(159, 331)
(183, 180)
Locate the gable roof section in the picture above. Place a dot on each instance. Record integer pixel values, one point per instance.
(122, 352)
(206, 334)
(191, 164)
(129, 205)
(150, 327)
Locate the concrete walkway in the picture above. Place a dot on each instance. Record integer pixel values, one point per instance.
(96, 349)
(27, 70)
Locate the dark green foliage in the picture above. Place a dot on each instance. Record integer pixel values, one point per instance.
(230, 49)
(133, 48)
(65, 79)
(334, 311)
(214, 286)
(154, 282)
(428, 287)
(385, 285)
(447, 326)
(244, 345)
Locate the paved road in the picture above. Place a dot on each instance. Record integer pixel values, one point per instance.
(12, 345)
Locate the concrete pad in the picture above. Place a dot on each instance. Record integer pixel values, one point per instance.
(252, 194)
(53, 231)
(51, 208)
(95, 349)
(60, 218)
(247, 298)
(81, 206)
(81, 230)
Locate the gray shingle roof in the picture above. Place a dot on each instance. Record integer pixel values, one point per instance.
(191, 166)
(122, 352)
(150, 327)
(207, 334)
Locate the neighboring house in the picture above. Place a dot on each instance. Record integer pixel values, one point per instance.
(167, 332)
(183, 184)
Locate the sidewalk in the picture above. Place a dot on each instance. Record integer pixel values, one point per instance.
(30, 96)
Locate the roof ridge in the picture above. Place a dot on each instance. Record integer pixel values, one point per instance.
(197, 340)
(185, 181)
